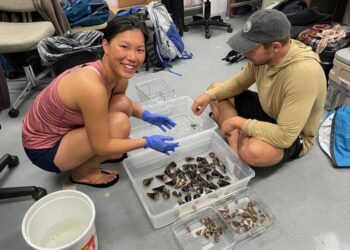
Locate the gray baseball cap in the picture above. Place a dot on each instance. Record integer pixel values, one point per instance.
(263, 26)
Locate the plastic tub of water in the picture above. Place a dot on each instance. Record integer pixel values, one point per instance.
(179, 110)
(61, 220)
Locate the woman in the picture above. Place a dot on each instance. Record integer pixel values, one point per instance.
(82, 118)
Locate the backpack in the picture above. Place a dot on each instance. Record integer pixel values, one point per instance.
(85, 12)
(168, 44)
(334, 136)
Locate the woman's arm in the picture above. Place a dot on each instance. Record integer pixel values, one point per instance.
(91, 98)
(121, 89)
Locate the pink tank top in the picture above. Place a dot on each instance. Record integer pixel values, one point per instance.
(48, 119)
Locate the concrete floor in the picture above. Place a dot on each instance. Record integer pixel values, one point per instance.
(309, 198)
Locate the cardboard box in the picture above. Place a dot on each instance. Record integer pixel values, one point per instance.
(128, 3)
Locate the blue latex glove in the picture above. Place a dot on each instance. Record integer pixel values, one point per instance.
(159, 120)
(157, 142)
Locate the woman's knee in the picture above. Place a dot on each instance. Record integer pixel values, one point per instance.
(119, 125)
(213, 85)
(121, 103)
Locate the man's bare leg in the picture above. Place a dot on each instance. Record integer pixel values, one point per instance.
(254, 152)
(223, 110)
(259, 153)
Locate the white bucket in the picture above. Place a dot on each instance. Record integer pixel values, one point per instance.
(61, 220)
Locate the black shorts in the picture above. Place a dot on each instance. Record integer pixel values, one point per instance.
(43, 158)
(248, 106)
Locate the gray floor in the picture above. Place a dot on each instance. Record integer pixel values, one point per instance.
(309, 198)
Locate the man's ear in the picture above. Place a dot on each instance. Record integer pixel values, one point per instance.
(276, 45)
(105, 46)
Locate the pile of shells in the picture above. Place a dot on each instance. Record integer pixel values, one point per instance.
(197, 177)
(245, 217)
(210, 229)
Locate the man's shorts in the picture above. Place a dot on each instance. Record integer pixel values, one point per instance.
(43, 158)
(248, 106)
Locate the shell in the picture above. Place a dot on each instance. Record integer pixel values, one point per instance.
(162, 177)
(189, 158)
(223, 183)
(159, 189)
(171, 183)
(147, 181)
(153, 196)
(216, 174)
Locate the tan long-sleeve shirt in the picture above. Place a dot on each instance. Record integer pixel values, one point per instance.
(292, 92)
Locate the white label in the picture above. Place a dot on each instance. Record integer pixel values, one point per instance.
(208, 246)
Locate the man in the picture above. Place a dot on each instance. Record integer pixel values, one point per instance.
(280, 121)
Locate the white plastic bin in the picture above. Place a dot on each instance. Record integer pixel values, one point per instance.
(149, 163)
(179, 110)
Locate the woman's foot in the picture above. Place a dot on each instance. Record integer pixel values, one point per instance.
(117, 159)
(97, 178)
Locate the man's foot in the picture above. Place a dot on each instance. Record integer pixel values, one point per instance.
(97, 178)
(211, 115)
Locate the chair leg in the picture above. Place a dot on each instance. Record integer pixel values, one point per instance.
(32, 82)
(35, 192)
(199, 22)
(208, 21)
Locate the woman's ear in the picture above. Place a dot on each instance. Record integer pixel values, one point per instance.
(105, 46)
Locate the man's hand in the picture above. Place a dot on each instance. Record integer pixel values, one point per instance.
(159, 120)
(231, 124)
(200, 103)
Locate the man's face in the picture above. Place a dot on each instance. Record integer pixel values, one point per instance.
(260, 55)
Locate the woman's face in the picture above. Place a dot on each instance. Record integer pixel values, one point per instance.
(126, 52)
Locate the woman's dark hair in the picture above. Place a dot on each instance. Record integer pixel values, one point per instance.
(122, 23)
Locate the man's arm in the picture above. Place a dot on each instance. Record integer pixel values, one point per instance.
(234, 85)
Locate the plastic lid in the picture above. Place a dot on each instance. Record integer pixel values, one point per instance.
(343, 55)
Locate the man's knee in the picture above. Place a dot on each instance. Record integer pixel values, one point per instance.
(121, 103)
(254, 155)
(119, 124)
(213, 85)
(248, 156)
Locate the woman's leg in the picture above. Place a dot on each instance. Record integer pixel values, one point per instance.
(75, 152)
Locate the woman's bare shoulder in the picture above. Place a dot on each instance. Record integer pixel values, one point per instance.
(79, 86)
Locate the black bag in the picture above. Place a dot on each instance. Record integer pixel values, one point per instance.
(70, 49)
(233, 57)
(300, 16)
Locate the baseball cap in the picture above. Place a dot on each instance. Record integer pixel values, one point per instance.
(263, 26)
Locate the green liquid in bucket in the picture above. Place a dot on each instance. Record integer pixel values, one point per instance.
(63, 233)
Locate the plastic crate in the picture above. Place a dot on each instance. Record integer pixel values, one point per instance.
(149, 163)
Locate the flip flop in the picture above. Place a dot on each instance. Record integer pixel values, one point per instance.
(116, 160)
(93, 181)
